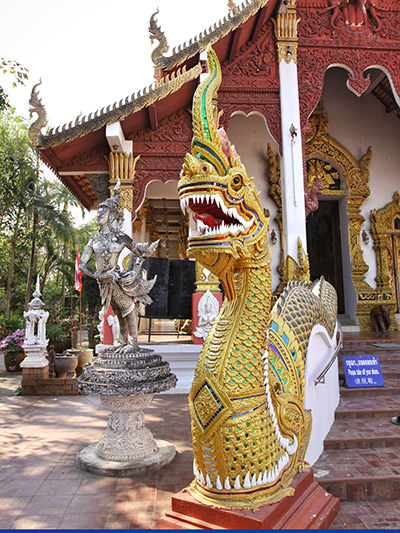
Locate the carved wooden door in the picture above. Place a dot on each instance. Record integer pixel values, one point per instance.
(394, 270)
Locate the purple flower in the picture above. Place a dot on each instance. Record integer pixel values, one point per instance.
(13, 342)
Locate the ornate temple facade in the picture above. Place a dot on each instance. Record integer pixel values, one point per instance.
(309, 98)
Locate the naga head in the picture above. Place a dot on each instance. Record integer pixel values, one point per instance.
(227, 225)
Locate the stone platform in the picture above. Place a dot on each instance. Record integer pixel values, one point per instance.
(311, 507)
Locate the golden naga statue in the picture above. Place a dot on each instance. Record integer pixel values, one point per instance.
(249, 426)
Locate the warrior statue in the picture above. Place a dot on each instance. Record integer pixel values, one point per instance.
(123, 290)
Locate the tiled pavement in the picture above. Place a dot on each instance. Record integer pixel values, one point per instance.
(42, 487)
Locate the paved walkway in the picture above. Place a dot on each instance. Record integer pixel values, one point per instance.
(41, 487)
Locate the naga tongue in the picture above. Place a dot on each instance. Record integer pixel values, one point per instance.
(208, 219)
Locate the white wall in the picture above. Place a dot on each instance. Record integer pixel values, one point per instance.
(357, 123)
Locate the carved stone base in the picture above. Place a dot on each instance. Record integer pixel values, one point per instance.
(126, 437)
(35, 357)
(126, 447)
(89, 461)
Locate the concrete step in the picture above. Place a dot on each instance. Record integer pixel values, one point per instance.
(378, 514)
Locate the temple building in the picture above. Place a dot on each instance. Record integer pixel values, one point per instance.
(310, 99)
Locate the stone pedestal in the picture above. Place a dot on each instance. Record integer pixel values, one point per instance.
(310, 507)
(126, 437)
(126, 379)
(35, 357)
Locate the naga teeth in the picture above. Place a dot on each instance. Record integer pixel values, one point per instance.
(203, 230)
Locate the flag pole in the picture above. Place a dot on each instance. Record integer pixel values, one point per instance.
(80, 319)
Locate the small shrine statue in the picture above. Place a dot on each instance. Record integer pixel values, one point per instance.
(126, 289)
(35, 342)
(114, 325)
(208, 311)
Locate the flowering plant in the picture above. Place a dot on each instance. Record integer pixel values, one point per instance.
(13, 342)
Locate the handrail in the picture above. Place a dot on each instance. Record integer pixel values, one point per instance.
(339, 345)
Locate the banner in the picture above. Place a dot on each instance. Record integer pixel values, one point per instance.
(78, 274)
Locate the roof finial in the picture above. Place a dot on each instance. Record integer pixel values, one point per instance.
(156, 33)
(37, 107)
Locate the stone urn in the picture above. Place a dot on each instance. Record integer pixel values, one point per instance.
(65, 364)
(85, 355)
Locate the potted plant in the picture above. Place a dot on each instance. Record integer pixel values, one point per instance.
(58, 334)
(11, 348)
(85, 355)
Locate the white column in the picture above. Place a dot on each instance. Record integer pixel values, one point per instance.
(292, 184)
(118, 144)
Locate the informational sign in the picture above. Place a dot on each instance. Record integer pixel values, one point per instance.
(363, 371)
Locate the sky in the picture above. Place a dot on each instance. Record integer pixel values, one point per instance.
(89, 54)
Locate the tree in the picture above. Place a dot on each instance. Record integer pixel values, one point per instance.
(20, 74)
(17, 175)
(43, 213)
(64, 199)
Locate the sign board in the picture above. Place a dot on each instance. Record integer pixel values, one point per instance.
(363, 371)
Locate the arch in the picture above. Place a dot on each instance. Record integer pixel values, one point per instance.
(355, 175)
(385, 224)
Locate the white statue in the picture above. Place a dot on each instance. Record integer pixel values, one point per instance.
(114, 324)
(208, 308)
(35, 342)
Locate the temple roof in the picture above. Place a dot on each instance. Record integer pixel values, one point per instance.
(77, 151)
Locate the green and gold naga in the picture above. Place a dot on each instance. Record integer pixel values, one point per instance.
(249, 426)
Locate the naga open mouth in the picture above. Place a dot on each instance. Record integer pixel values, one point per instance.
(209, 216)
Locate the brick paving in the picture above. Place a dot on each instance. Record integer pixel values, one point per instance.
(41, 486)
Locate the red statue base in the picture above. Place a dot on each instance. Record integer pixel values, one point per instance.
(311, 507)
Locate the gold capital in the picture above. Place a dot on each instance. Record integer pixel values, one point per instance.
(286, 33)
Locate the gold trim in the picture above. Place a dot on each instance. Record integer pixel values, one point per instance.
(121, 166)
(286, 33)
(319, 144)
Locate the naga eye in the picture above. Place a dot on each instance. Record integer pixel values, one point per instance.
(237, 182)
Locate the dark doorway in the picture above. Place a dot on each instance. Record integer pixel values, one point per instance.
(324, 246)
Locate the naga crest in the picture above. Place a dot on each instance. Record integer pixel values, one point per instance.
(227, 225)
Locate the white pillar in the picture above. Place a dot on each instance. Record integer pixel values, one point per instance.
(292, 184)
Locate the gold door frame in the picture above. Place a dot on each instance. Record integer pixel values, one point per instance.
(383, 226)
(322, 146)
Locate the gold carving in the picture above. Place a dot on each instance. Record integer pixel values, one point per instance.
(298, 270)
(322, 147)
(286, 33)
(121, 166)
(249, 427)
(385, 232)
(205, 279)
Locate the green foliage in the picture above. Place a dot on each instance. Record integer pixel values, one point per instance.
(20, 74)
(10, 324)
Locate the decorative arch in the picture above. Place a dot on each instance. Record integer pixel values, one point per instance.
(322, 147)
(385, 232)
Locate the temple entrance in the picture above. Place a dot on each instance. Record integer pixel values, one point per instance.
(324, 246)
(394, 270)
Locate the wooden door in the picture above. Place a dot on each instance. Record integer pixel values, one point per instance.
(324, 246)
